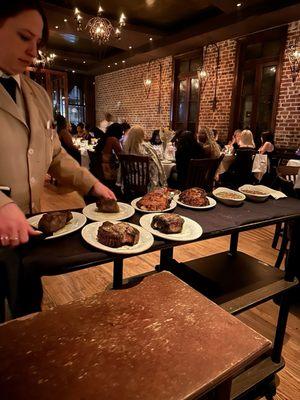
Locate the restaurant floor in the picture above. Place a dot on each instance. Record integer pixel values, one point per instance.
(65, 288)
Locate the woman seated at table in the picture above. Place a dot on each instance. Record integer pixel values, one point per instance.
(157, 144)
(267, 143)
(233, 144)
(109, 148)
(187, 148)
(136, 144)
(82, 133)
(63, 129)
(240, 171)
(211, 147)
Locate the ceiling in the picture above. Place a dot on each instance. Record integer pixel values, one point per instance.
(155, 28)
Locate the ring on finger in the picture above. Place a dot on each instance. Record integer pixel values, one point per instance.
(4, 237)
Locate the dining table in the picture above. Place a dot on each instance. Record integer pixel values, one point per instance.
(254, 281)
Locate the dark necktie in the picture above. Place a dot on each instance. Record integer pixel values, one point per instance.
(10, 85)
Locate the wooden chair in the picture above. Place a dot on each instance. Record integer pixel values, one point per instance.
(201, 173)
(135, 175)
(286, 177)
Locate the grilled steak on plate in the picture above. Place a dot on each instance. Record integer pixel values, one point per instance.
(53, 221)
(107, 205)
(168, 223)
(195, 197)
(117, 235)
(158, 200)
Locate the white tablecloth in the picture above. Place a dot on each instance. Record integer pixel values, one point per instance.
(168, 165)
(293, 163)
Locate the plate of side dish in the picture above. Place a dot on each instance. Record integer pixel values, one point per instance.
(159, 223)
(78, 221)
(228, 196)
(92, 212)
(114, 234)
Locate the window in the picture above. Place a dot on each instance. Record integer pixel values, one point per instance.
(259, 66)
(186, 92)
(77, 112)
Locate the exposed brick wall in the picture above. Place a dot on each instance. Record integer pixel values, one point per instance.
(287, 131)
(122, 93)
(126, 87)
(218, 119)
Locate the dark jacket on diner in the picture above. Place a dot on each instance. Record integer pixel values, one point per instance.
(188, 148)
(240, 171)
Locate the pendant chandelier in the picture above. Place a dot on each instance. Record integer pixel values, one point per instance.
(100, 28)
(44, 59)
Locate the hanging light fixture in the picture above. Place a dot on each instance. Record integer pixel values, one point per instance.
(101, 29)
(147, 80)
(78, 19)
(293, 53)
(203, 75)
(44, 59)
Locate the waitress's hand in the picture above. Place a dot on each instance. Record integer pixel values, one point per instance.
(14, 228)
(100, 190)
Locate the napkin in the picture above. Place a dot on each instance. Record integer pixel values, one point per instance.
(276, 194)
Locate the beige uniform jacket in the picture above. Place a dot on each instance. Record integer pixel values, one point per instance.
(29, 148)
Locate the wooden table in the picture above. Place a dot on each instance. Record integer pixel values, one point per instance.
(254, 282)
(157, 340)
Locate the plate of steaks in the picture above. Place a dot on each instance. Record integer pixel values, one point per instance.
(195, 198)
(157, 200)
(117, 237)
(171, 226)
(57, 223)
(108, 211)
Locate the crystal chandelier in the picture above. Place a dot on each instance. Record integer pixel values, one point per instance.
(99, 27)
(293, 53)
(44, 59)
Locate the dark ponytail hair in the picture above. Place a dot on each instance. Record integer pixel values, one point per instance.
(11, 8)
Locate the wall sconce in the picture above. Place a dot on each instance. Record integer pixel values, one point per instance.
(293, 53)
(147, 80)
(203, 75)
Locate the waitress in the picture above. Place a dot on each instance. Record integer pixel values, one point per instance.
(29, 147)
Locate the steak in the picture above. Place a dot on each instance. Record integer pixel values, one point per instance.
(195, 197)
(167, 223)
(157, 200)
(107, 205)
(117, 235)
(53, 221)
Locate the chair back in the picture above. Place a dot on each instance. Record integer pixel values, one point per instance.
(135, 174)
(96, 164)
(201, 173)
(286, 177)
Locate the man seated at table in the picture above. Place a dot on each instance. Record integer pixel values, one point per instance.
(29, 147)
(188, 148)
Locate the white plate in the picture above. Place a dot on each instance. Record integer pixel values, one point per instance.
(212, 203)
(172, 206)
(191, 230)
(254, 197)
(89, 234)
(228, 201)
(125, 212)
(76, 223)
